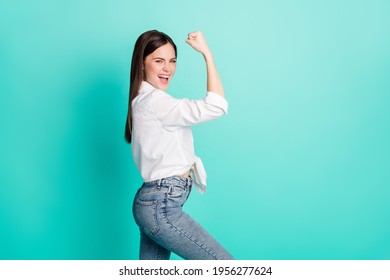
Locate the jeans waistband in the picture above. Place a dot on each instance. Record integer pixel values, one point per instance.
(170, 181)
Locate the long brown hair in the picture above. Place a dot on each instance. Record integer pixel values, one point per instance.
(146, 43)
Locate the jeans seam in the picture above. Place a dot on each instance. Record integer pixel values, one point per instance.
(185, 234)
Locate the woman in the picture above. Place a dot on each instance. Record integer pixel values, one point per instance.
(159, 128)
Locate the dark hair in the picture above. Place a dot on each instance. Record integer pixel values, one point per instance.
(146, 43)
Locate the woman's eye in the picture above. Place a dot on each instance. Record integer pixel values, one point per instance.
(173, 61)
(159, 61)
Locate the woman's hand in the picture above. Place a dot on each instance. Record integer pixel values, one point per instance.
(197, 41)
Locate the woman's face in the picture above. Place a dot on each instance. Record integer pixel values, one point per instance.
(159, 66)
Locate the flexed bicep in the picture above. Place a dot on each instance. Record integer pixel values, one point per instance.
(185, 112)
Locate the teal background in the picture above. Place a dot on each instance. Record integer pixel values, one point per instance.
(298, 169)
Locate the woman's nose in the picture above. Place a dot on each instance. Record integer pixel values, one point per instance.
(166, 68)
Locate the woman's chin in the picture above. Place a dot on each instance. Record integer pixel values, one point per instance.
(163, 86)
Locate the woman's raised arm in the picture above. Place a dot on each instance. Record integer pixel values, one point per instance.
(197, 41)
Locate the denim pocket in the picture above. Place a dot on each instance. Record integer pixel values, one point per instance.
(145, 214)
(176, 192)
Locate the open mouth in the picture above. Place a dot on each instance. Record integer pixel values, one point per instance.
(163, 79)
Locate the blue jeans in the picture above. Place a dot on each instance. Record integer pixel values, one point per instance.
(165, 228)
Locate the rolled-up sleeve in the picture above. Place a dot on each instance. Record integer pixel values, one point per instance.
(186, 112)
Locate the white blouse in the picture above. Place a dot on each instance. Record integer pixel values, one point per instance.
(162, 141)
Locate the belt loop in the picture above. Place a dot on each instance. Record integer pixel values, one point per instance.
(158, 184)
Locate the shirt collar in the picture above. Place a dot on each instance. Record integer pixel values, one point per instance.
(146, 87)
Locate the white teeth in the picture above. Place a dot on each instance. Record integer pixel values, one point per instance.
(163, 76)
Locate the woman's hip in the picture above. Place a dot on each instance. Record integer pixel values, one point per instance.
(159, 200)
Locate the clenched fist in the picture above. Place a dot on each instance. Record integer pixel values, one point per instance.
(198, 42)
